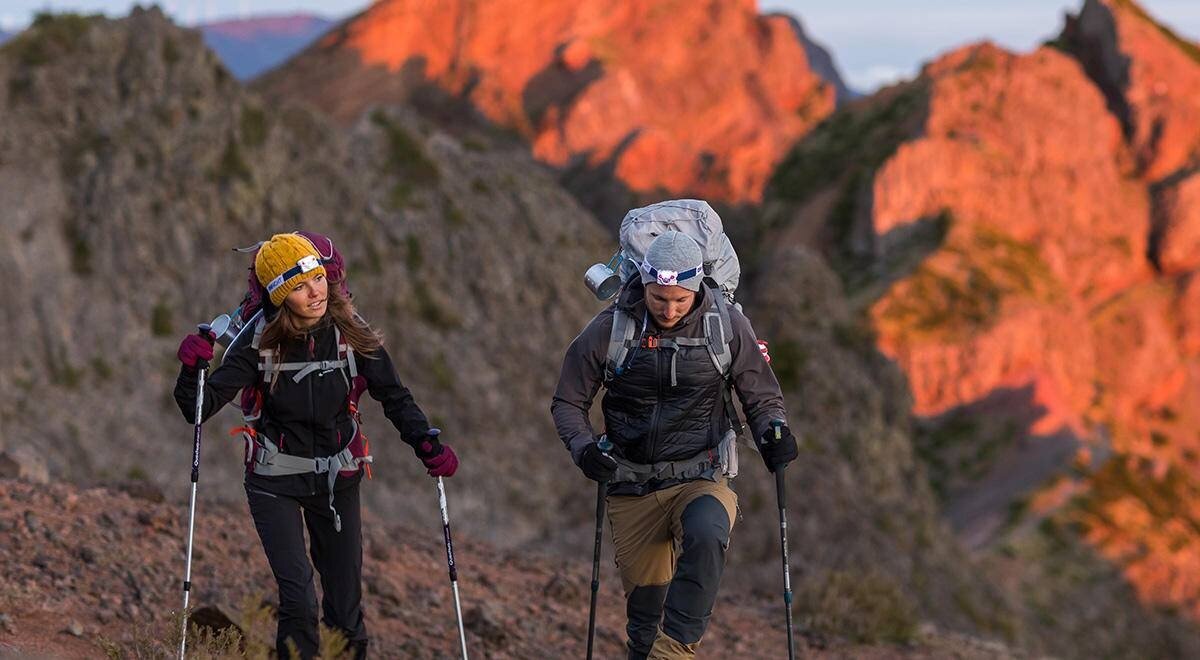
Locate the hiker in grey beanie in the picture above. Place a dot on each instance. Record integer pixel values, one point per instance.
(674, 259)
(670, 352)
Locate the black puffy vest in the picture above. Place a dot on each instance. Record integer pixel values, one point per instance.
(650, 420)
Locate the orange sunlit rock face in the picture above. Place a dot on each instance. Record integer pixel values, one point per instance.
(1042, 220)
(697, 97)
(1072, 238)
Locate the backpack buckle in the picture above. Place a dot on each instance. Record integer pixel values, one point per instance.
(649, 342)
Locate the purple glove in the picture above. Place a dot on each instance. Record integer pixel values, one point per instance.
(439, 460)
(444, 464)
(194, 349)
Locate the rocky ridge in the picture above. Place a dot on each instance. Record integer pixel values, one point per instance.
(700, 98)
(1009, 250)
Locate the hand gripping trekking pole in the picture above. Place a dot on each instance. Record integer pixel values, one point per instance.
(783, 544)
(202, 372)
(604, 446)
(462, 635)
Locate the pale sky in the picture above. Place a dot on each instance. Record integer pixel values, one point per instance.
(873, 41)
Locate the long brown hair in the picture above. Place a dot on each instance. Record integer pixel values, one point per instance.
(364, 339)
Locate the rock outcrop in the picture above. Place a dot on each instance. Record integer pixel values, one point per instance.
(1151, 78)
(696, 97)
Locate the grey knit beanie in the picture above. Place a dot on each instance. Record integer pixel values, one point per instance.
(674, 259)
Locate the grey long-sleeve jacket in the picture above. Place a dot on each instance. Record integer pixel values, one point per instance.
(642, 405)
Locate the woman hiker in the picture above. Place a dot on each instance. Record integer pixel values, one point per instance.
(305, 365)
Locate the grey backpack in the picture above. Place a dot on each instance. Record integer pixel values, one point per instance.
(696, 219)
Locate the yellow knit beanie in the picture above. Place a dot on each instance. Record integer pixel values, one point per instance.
(285, 261)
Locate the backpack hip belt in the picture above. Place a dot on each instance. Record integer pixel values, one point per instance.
(715, 458)
(268, 461)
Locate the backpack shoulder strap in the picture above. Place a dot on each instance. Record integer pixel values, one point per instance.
(259, 326)
(718, 331)
(619, 341)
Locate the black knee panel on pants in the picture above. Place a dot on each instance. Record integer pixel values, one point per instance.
(697, 578)
(644, 609)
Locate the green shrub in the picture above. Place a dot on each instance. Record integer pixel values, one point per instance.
(414, 258)
(405, 156)
(103, 369)
(49, 35)
(231, 166)
(160, 321)
(170, 52)
(850, 142)
(454, 215)
(788, 359)
(964, 286)
(443, 375)
(80, 249)
(866, 607)
(431, 310)
(254, 127)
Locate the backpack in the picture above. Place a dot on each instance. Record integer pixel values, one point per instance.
(722, 271)
(262, 456)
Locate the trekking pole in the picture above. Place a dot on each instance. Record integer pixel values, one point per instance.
(604, 446)
(783, 544)
(202, 372)
(462, 635)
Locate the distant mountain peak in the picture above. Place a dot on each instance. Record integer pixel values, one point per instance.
(674, 97)
(250, 46)
(822, 62)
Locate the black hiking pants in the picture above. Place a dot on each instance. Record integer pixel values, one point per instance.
(337, 556)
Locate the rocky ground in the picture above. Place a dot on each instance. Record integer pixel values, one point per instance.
(88, 572)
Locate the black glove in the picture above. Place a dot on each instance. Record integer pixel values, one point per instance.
(596, 465)
(777, 453)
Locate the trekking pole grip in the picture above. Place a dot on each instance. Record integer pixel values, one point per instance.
(204, 330)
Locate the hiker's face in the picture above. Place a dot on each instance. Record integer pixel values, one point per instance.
(668, 304)
(308, 300)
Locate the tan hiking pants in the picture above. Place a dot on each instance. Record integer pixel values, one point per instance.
(670, 549)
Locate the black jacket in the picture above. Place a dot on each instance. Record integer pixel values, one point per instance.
(646, 417)
(310, 418)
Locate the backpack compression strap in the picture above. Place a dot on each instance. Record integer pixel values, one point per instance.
(620, 340)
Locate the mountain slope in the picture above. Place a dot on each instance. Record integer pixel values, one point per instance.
(141, 162)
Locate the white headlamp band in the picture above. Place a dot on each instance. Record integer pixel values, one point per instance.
(305, 264)
(671, 277)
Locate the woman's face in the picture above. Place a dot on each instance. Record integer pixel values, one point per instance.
(308, 300)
